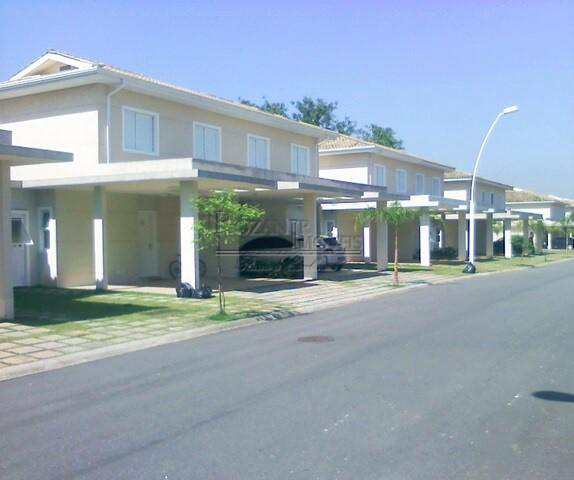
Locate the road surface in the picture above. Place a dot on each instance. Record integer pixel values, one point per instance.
(465, 380)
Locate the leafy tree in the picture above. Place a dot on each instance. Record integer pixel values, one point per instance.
(382, 135)
(346, 126)
(278, 108)
(395, 215)
(316, 112)
(223, 220)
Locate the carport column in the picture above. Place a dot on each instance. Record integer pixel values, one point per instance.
(442, 232)
(508, 238)
(188, 242)
(525, 229)
(100, 242)
(549, 240)
(310, 237)
(488, 234)
(462, 236)
(538, 243)
(382, 231)
(6, 293)
(424, 229)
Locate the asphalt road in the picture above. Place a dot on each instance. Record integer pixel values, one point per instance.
(432, 383)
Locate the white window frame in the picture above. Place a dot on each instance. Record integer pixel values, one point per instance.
(438, 182)
(155, 116)
(417, 176)
(397, 174)
(206, 125)
(268, 142)
(41, 244)
(383, 168)
(308, 150)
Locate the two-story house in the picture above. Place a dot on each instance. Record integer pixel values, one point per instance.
(143, 150)
(415, 182)
(490, 207)
(552, 209)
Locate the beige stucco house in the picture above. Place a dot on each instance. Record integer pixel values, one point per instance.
(415, 182)
(142, 151)
(550, 208)
(490, 206)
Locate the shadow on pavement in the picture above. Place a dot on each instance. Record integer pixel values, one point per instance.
(554, 396)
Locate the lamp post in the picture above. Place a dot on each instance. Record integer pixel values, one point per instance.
(471, 244)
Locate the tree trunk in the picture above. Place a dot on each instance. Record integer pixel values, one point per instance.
(396, 267)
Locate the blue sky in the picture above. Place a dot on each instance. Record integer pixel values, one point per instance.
(435, 71)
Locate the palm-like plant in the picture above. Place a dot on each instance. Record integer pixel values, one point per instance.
(566, 226)
(395, 215)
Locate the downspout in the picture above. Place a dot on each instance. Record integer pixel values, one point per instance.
(109, 117)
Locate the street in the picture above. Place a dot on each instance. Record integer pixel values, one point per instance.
(465, 380)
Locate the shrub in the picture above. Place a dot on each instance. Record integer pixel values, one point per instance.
(444, 253)
(521, 245)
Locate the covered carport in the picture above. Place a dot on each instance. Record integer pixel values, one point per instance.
(13, 155)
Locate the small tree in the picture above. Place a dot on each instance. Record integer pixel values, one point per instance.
(566, 226)
(222, 221)
(395, 215)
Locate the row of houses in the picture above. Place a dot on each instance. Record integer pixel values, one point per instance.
(100, 166)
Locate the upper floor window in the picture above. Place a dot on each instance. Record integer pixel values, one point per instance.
(401, 181)
(435, 187)
(140, 131)
(300, 160)
(420, 184)
(492, 199)
(206, 142)
(258, 151)
(380, 176)
(483, 198)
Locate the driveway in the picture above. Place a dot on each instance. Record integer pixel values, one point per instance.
(462, 380)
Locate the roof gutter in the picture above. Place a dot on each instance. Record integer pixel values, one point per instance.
(109, 117)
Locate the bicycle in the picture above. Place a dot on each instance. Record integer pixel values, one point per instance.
(175, 268)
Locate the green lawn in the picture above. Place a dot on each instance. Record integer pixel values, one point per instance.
(62, 310)
(496, 264)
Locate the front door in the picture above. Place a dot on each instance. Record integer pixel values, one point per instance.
(148, 248)
(20, 228)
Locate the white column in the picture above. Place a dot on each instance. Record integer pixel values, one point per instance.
(442, 234)
(382, 241)
(100, 242)
(462, 236)
(525, 229)
(549, 240)
(508, 238)
(310, 237)
(6, 292)
(187, 234)
(488, 235)
(424, 235)
(538, 244)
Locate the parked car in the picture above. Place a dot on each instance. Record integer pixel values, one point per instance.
(277, 256)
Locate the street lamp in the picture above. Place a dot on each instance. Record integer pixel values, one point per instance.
(470, 268)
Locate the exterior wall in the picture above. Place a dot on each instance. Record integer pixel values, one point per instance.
(66, 120)
(549, 212)
(461, 191)
(176, 133)
(73, 214)
(349, 168)
(409, 237)
(359, 167)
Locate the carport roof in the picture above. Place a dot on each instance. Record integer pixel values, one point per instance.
(169, 172)
(17, 155)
